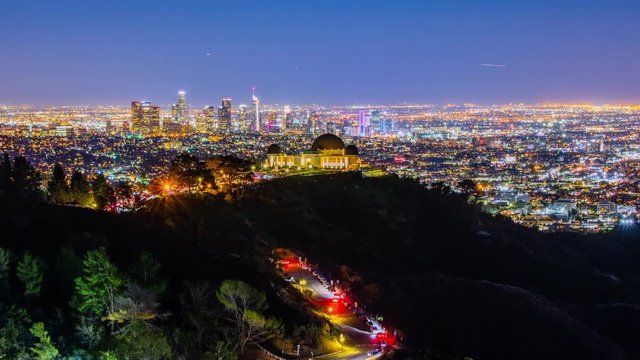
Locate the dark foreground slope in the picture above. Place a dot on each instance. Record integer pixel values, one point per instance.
(455, 281)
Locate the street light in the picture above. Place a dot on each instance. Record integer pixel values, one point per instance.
(341, 340)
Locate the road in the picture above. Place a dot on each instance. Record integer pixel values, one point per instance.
(359, 333)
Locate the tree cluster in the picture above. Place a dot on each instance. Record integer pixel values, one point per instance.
(78, 190)
(19, 177)
(118, 314)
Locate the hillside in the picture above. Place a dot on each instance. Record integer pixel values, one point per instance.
(455, 281)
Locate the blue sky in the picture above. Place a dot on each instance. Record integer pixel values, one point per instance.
(319, 51)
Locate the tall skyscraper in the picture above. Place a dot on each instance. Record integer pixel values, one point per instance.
(224, 115)
(287, 118)
(376, 124)
(242, 118)
(272, 123)
(255, 111)
(312, 121)
(145, 117)
(210, 118)
(363, 123)
(136, 115)
(181, 107)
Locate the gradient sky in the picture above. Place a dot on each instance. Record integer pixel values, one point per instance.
(319, 51)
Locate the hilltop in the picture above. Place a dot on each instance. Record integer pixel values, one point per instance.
(455, 281)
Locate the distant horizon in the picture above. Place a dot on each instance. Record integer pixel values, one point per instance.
(345, 105)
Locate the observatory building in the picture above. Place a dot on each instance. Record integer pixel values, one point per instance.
(328, 152)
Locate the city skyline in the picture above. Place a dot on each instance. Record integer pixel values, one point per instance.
(302, 53)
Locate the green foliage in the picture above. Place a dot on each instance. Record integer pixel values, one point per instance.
(191, 173)
(309, 335)
(43, 348)
(29, 273)
(103, 192)
(80, 190)
(14, 334)
(5, 262)
(222, 351)
(108, 355)
(245, 305)
(146, 272)
(142, 341)
(89, 331)
(57, 187)
(101, 283)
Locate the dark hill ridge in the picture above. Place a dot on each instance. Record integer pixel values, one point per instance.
(456, 281)
(518, 293)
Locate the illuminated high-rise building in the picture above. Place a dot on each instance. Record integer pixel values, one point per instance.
(376, 124)
(210, 118)
(224, 115)
(145, 117)
(312, 121)
(287, 118)
(136, 115)
(363, 123)
(272, 121)
(242, 118)
(180, 111)
(255, 111)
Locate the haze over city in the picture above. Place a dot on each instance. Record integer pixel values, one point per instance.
(322, 52)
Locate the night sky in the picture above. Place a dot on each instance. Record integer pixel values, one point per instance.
(319, 51)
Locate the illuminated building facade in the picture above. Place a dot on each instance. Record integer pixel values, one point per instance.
(328, 152)
(255, 112)
(243, 125)
(224, 116)
(181, 107)
(210, 118)
(145, 117)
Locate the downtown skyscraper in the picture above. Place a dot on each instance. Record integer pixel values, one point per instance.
(255, 112)
(243, 124)
(145, 117)
(224, 116)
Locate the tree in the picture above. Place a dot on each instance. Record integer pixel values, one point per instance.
(30, 275)
(468, 186)
(103, 193)
(26, 179)
(234, 170)
(79, 189)
(143, 341)
(309, 335)
(5, 261)
(441, 187)
(190, 172)
(13, 333)
(245, 305)
(135, 304)
(89, 331)
(43, 348)
(101, 283)
(146, 273)
(57, 186)
(5, 173)
(221, 351)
